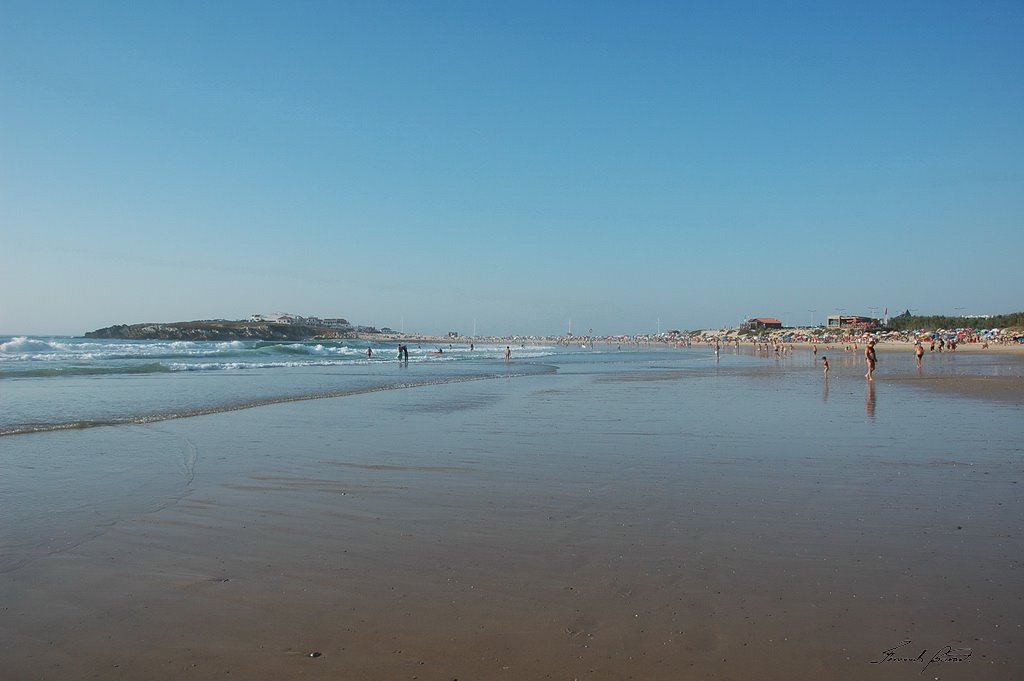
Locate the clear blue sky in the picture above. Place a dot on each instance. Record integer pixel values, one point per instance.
(431, 165)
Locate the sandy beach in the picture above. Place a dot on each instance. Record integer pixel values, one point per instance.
(728, 520)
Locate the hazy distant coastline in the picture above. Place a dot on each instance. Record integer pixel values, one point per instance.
(303, 330)
(219, 330)
(225, 330)
(256, 330)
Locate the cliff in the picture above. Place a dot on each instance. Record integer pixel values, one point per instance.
(217, 330)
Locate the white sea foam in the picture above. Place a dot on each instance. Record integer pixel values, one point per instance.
(234, 366)
(23, 344)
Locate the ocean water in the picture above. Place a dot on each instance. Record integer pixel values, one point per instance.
(60, 383)
(49, 383)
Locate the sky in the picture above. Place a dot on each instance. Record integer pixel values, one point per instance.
(508, 168)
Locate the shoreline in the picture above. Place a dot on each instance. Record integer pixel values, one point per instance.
(605, 342)
(225, 330)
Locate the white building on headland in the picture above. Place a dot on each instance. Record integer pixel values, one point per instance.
(286, 318)
(276, 318)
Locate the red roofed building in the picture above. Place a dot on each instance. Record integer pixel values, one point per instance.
(762, 323)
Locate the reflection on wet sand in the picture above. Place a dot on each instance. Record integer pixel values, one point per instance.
(607, 522)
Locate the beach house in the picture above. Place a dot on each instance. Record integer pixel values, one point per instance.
(837, 321)
(762, 323)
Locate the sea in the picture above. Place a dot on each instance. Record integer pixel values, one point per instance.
(56, 383)
(59, 383)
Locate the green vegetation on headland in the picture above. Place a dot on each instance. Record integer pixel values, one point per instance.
(219, 330)
(909, 322)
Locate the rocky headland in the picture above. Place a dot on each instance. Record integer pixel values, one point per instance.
(218, 330)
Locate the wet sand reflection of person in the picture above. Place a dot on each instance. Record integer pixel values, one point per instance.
(824, 372)
(869, 401)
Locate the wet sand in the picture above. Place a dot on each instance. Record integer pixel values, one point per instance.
(646, 524)
(1004, 388)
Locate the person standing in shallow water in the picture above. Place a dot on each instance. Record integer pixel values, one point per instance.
(824, 364)
(870, 359)
(508, 353)
(918, 352)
